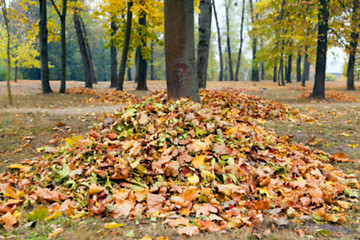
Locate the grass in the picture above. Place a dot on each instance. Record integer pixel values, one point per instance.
(337, 124)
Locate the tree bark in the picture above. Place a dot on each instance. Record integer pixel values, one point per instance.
(43, 32)
(125, 49)
(128, 78)
(87, 47)
(231, 69)
(113, 56)
(83, 51)
(289, 69)
(255, 71)
(298, 68)
(221, 75)
(262, 70)
(152, 73)
(320, 68)
(306, 66)
(204, 42)
(180, 50)
(141, 67)
(281, 74)
(16, 72)
(62, 17)
(275, 73)
(354, 38)
(241, 42)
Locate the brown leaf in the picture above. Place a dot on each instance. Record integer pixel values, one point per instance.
(9, 220)
(155, 202)
(189, 230)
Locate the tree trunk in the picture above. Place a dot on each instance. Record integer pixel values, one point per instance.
(204, 42)
(16, 71)
(180, 50)
(262, 70)
(255, 71)
(113, 57)
(241, 42)
(221, 75)
(298, 68)
(87, 46)
(275, 73)
(83, 51)
(354, 37)
(63, 47)
(281, 69)
(125, 49)
(141, 67)
(8, 41)
(128, 78)
(320, 68)
(231, 69)
(152, 73)
(43, 33)
(289, 69)
(306, 65)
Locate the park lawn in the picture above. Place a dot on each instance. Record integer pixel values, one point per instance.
(337, 125)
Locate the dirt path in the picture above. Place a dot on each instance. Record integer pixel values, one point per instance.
(65, 111)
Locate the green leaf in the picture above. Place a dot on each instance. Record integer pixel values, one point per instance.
(38, 214)
(130, 234)
(323, 232)
(129, 113)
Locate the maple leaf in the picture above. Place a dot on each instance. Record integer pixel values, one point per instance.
(9, 220)
(177, 222)
(154, 202)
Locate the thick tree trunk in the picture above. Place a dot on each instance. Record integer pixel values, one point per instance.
(354, 38)
(87, 46)
(289, 69)
(241, 42)
(141, 67)
(320, 68)
(204, 42)
(120, 83)
(275, 74)
(255, 71)
(221, 75)
(298, 68)
(152, 73)
(113, 57)
(83, 51)
(45, 84)
(180, 50)
(231, 69)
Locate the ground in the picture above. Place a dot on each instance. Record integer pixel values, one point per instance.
(36, 120)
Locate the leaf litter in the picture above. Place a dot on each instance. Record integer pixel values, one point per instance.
(199, 166)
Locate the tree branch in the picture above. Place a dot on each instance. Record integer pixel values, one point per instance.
(56, 8)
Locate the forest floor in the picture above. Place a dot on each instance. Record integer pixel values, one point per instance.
(36, 120)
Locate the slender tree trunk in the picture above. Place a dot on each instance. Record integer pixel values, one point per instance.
(137, 58)
(354, 38)
(8, 40)
(204, 42)
(125, 49)
(298, 68)
(320, 68)
(262, 70)
(241, 42)
(152, 76)
(275, 73)
(128, 78)
(219, 43)
(63, 47)
(16, 72)
(113, 56)
(180, 50)
(306, 65)
(281, 68)
(289, 69)
(83, 50)
(255, 70)
(141, 67)
(231, 69)
(45, 83)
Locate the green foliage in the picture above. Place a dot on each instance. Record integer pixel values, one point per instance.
(330, 77)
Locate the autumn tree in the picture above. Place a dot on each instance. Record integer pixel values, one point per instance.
(179, 50)
(43, 35)
(5, 15)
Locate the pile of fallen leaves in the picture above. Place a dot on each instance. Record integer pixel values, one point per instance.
(334, 95)
(199, 168)
(109, 96)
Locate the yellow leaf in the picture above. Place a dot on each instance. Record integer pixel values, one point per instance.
(56, 232)
(53, 216)
(113, 225)
(193, 180)
(198, 160)
(147, 237)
